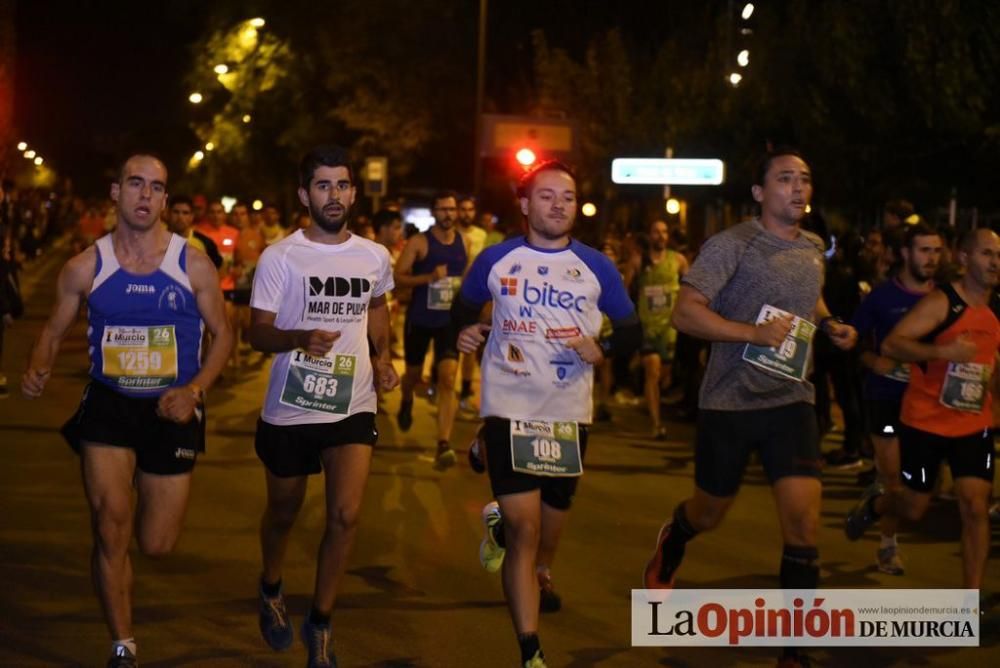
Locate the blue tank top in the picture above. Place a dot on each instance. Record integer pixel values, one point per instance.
(432, 302)
(145, 329)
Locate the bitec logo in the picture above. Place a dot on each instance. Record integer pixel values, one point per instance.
(544, 295)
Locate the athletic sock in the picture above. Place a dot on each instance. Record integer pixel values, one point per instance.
(466, 389)
(681, 532)
(270, 590)
(888, 541)
(529, 646)
(318, 618)
(799, 569)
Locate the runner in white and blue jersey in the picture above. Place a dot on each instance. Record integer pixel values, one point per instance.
(548, 293)
(149, 296)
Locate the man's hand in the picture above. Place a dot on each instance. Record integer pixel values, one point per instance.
(177, 404)
(883, 366)
(440, 271)
(841, 335)
(773, 332)
(587, 348)
(33, 382)
(317, 342)
(386, 377)
(473, 336)
(961, 349)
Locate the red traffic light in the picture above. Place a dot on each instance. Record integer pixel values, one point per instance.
(525, 157)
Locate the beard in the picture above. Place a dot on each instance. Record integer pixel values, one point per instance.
(331, 224)
(918, 274)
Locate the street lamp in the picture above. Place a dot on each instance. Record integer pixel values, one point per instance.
(246, 118)
(743, 58)
(673, 206)
(39, 161)
(588, 210)
(257, 22)
(22, 146)
(257, 205)
(209, 146)
(195, 98)
(735, 78)
(747, 11)
(526, 157)
(29, 154)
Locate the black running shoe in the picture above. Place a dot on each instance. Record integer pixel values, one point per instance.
(405, 416)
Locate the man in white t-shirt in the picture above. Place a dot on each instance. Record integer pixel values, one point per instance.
(319, 302)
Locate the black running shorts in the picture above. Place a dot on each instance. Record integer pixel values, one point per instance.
(289, 451)
(162, 447)
(786, 436)
(556, 492)
(416, 339)
(921, 454)
(883, 417)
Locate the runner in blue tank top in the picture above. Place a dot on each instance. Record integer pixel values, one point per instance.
(149, 296)
(432, 264)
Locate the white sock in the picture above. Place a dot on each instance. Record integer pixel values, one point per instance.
(888, 541)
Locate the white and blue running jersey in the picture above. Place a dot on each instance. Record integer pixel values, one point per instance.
(541, 298)
(145, 330)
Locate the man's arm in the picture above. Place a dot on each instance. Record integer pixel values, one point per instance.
(693, 316)
(378, 333)
(903, 342)
(180, 403)
(267, 338)
(842, 335)
(403, 276)
(71, 289)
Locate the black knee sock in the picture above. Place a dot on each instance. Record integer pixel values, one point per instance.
(466, 389)
(318, 618)
(270, 590)
(529, 646)
(681, 532)
(799, 570)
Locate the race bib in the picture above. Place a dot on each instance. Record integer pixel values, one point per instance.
(791, 358)
(658, 298)
(546, 448)
(319, 384)
(965, 387)
(140, 358)
(441, 293)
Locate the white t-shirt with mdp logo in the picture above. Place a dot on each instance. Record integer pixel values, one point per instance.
(321, 286)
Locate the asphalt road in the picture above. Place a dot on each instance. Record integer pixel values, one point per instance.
(415, 594)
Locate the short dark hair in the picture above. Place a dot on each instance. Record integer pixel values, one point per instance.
(918, 230)
(764, 161)
(323, 156)
(443, 194)
(140, 154)
(465, 197)
(900, 208)
(970, 239)
(527, 180)
(179, 199)
(384, 217)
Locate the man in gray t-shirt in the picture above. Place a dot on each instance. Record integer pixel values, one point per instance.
(754, 292)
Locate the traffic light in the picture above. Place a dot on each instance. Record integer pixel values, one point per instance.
(525, 157)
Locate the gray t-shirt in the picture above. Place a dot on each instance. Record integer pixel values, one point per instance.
(738, 271)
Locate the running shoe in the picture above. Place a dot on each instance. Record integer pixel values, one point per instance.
(405, 416)
(273, 622)
(476, 454)
(548, 599)
(863, 514)
(490, 551)
(122, 658)
(536, 661)
(445, 458)
(468, 405)
(316, 638)
(889, 561)
(841, 460)
(660, 433)
(654, 576)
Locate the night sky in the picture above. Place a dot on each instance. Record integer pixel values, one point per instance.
(92, 75)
